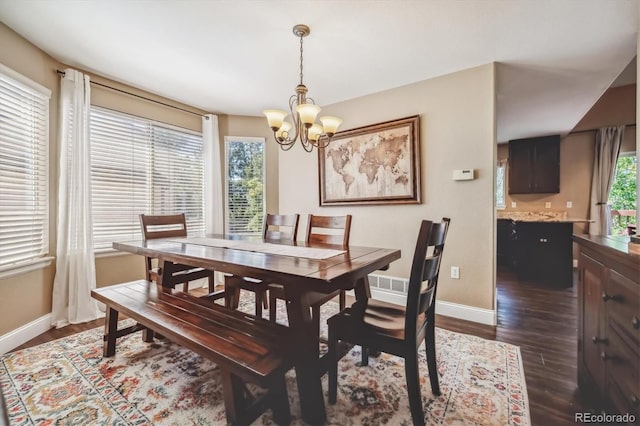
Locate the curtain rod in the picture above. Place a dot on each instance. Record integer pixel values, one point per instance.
(595, 130)
(62, 73)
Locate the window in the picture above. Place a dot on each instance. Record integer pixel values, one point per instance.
(622, 197)
(501, 171)
(245, 185)
(24, 170)
(140, 166)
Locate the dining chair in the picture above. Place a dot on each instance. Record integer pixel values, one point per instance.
(173, 226)
(386, 327)
(334, 230)
(276, 228)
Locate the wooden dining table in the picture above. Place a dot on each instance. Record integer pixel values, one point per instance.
(299, 276)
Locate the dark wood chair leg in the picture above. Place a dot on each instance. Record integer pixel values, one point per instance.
(332, 371)
(280, 406)
(364, 361)
(212, 284)
(185, 287)
(343, 299)
(413, 388)
(430, 348)
(265, 299)
(259, 295)
(273, 304)
(315, 317)
(231, 296)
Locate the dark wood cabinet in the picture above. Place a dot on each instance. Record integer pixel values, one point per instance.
(543, 251)
(534, 165)
(505, 235)
(592, 337)
(609, 322)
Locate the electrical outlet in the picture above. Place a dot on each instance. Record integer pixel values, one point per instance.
(569, 204)
(455, 272)
(547, 205)
(513, 204)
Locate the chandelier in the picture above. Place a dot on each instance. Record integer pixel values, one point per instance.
(303, 115)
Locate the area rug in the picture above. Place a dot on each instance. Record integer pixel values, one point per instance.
(67, 381)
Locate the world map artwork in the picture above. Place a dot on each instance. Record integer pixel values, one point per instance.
(369, 166)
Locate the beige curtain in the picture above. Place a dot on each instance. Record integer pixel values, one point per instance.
(607, 148)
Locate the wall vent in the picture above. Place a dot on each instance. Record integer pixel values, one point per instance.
(389, 284)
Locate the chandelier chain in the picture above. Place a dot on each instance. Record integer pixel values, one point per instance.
(301, 50)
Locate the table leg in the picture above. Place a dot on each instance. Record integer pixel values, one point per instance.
(110, 332)
(307, 363)
(362, 289)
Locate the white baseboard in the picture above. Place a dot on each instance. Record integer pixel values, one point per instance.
(25, 333)
(466, 312)
(455, 310)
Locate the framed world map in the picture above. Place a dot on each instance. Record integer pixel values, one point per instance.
(376, 164)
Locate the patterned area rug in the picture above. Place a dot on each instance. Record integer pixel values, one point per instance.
(67, 382)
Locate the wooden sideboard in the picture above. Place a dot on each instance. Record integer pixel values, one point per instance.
(609, 321)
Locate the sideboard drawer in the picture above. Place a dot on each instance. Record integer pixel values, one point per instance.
(623, 307)
(623, 403)
(623, 365)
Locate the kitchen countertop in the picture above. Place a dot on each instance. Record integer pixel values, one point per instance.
(559, 217)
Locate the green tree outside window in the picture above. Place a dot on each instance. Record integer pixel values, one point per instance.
(623, 190)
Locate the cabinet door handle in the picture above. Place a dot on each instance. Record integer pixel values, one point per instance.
(634, 400)
(635, 323)
(543, 240)
(596, 339)
(605, 356)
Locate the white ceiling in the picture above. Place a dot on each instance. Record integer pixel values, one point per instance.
(556, 57)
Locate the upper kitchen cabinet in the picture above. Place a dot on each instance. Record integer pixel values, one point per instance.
(534, 165)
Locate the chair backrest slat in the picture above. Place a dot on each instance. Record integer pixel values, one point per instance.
(425, 270)
(274, 225)
(329, 222)
(163, 226)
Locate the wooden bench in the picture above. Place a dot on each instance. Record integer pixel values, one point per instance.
(245, 348)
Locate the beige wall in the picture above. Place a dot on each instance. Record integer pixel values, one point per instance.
(27, 297)
(457, 116)
(615, 107)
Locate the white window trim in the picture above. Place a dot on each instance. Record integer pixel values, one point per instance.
(25, 80)
(24, 267)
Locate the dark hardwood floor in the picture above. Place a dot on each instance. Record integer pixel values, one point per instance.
(541, 319)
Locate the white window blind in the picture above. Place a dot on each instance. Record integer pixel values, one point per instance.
(244, 185)
(24, 169)
(140, 166)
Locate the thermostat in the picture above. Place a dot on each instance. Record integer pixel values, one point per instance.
(463, 174)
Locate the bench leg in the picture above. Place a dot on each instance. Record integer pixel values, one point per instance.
(110, 332)
(147, 335)
(233, 392)
(280, 401)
